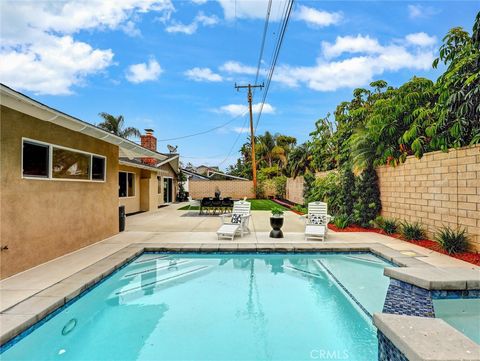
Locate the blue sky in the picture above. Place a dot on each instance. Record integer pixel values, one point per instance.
(171, 66)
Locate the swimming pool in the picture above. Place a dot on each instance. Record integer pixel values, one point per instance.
(463, 314)
(220, 307)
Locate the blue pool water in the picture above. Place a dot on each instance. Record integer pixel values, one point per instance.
(463, 314)
(220, 307)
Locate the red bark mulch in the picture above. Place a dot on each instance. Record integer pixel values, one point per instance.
(469, 257)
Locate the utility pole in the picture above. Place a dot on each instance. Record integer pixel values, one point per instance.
(252, 135)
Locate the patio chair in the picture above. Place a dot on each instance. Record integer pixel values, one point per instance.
(205, 204)
(236, 222)
(216, 205)
(316, 221)
(227, 204)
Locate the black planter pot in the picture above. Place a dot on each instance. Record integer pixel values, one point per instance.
(276, 223)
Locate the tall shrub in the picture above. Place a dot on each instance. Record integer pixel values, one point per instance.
(327, 189)
(347, 192)
(367, 205)
(308, 179)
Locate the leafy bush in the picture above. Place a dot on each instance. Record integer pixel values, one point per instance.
(280, 186)
(367, 205)
(412, 231)
(452, 240)
(378, 222)
(347, 192)
(326, 189)
(300, 208)
(342, 221)
(308, 180)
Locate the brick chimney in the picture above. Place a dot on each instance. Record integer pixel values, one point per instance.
(149, 141)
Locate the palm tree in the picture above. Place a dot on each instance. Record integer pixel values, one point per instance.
(300, 161)
(114, 125)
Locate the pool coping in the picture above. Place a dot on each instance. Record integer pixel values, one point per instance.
(21, 316)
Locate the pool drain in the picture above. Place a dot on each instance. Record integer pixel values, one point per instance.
(69, 326)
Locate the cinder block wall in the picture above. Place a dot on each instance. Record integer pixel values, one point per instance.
(294, 190)
(236, 189)
(440, 189)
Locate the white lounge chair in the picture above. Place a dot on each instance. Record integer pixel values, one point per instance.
(236, 222)
(316, 221)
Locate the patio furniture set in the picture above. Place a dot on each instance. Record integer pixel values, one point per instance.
(236, 222)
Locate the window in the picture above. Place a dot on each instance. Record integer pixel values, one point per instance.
(159, 185)
(68, 164)
(98, 168)
(126, 184)
(35, 159)
(49, 161)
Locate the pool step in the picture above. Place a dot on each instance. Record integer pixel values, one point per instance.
(140, 289)
(164, 266)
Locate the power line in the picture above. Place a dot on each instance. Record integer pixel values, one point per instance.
(205, 131)
(276, 53)
(234, 143)
(262, 46)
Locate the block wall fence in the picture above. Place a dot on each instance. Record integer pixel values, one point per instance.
(237, 189)
(439, 189)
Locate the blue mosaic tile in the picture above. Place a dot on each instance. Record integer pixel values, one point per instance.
(438, 294)
(387, 350)
(405, 299)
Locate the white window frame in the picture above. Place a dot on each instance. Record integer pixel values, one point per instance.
(134, 183)
(50, 163)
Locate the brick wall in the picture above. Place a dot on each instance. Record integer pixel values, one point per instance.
(440, 189)
(236, 189)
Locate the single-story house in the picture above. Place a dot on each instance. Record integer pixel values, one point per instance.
(62, 181)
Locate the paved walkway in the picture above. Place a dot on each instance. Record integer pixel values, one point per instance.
(169, 225)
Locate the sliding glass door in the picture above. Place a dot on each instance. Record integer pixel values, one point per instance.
(167, 190)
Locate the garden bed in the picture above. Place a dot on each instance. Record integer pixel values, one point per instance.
(469, 257)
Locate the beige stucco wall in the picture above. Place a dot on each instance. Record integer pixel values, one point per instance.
(44, 219)
(132, 204)
(440, 189)
(146, 196)
(236, 189)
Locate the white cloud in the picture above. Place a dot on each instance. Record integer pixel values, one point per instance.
(421, 39)
(203, 74)
(241, 109)
(234, 67)
(350, 44)
(317, 18)
(139, 73)
(371, 60)
(199, 2)
(241, 130)
(421, 11)
(189, 29)
(39, 51)
(251, 9)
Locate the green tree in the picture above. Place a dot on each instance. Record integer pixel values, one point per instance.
(115, 125)
(458, 90)
(300, 161)
(347, 193)
(367, 205)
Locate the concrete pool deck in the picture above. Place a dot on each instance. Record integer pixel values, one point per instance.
(30, 295)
